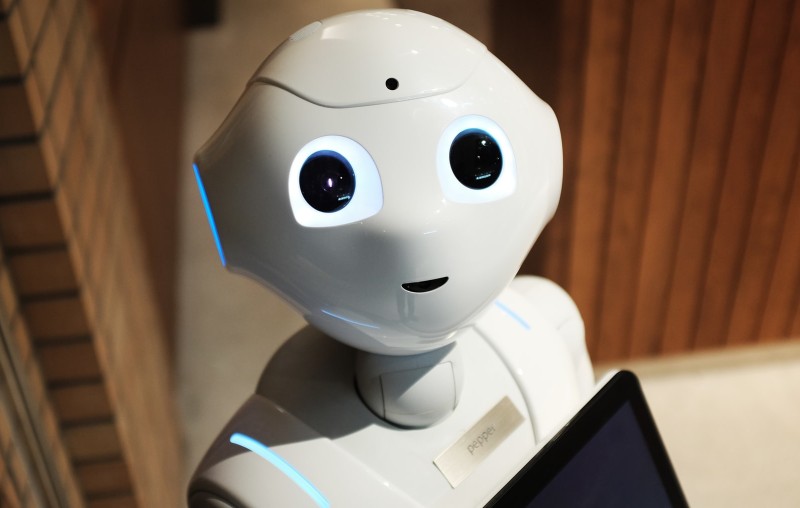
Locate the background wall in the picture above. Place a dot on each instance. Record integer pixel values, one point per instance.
(679, 227)
(142, 43)
(86, 337)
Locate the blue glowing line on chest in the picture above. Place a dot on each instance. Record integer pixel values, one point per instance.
(284, 467)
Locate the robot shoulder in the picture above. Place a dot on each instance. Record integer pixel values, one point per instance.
(552, 301)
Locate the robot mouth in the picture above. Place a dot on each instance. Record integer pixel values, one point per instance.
(425, 285)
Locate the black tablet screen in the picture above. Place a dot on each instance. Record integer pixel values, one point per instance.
(609, 455)
(613, 469)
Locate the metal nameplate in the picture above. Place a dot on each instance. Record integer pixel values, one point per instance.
(461, 458)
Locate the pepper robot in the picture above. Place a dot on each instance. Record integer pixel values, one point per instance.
(386, 175)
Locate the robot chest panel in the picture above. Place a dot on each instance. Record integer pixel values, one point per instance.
(324, 430)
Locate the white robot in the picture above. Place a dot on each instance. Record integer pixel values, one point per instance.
(387, 175)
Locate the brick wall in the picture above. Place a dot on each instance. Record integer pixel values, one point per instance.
(77, 296)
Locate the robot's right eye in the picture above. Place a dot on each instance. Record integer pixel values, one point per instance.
(475, 161)
(334, 181)
(327, 181)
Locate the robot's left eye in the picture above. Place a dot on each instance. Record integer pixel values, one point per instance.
(333, 181)
(475, 162)
(476, 159)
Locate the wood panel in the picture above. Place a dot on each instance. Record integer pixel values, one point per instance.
(606, 59)
(644, 78)
(673, 144)
(680, 127)
(720, 84)
(143, 47)
(76, 292)
(753, 302)
(754, 105)
(35, 468)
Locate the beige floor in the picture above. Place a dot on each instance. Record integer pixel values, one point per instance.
(731, 421)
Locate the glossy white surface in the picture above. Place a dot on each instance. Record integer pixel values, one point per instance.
(412, 260)
(337, 63)
(347, 280)
(306, 409)
(411, 390)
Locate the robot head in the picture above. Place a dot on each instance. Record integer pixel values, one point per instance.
(386, 175)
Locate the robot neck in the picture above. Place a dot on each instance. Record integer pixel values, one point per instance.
(411, 391)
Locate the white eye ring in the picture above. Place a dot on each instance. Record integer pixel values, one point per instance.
(456, 191)
(367, 198)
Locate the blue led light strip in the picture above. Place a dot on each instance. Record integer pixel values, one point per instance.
(351, 321)
(211, 222)
(284, 467)
(513, 314)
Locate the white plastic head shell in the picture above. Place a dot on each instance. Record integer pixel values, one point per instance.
(406, 254)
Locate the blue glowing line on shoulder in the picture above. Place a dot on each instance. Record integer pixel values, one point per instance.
(209, 215)
(279, 462)
(351, 321)
(516, 317)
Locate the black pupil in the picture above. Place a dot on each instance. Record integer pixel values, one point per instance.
(327, 181)
(476, 159)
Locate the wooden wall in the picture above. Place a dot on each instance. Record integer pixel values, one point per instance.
(679, 227)
(77, 296)
(35, 467)
(143, 42)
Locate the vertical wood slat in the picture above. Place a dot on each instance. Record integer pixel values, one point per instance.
(570, 48)
(642, 92)
(574, 18)
(605, 62)
(721, 78)
(684, 223)
(782, 307)
(778, 173)
(675, 133)
(794, 331)
(768, 28)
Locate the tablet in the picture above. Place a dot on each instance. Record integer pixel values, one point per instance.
(609, 455)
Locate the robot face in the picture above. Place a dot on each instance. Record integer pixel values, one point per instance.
(386, 175)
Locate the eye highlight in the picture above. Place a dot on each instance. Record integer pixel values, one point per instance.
(333, 181)
(475, 162)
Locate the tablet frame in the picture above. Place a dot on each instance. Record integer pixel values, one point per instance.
(622, 388)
